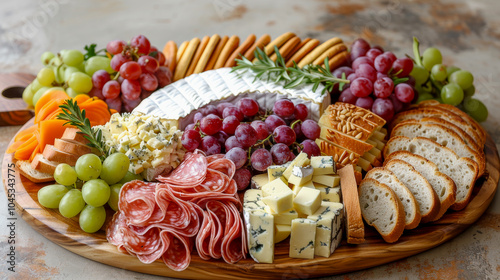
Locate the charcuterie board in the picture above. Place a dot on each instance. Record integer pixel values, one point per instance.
(67, 233)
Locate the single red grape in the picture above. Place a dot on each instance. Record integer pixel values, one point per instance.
(229, 124)
(301, 112)
(261, 159)
(210, 145)
(384, 108)
(284, 108)
(99, 78)
(248, 106)
(191, 139)
(361, 87)
(280, 153)
(261, 129)
(210, 124)
(130, 70)
(246, 135)
(311, 129)
(284, 134)
(115, 46)
(383, 87)
(141, 43)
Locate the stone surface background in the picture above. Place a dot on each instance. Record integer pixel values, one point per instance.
(467, 32)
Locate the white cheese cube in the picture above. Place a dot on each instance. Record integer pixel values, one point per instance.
(275, 171)
(253, 199)
(258, 181)
(301, 175)
(281, 232)
(327, 180)
(274, 186)
(328, 219)
(285, 218)
(134, 140)
(260, 235)
(323, 165)
(329, 194)
(307, 201)
(302, 238)
(300, 160)
(280, 201)
(296, 188)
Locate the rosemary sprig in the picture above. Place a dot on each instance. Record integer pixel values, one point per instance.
(266, 68)
(74, 116)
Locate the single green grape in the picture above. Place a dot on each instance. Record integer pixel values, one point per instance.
(98, 63)
(114, 168)
(35, 86)
(72, 93)
(431, 57)
(96, 192)
(72, 203)
(55, 61)
(420, 74)
(470, 91)
(424, 96)
(130, 177)
(452, 94)
(451, 69)
(81, 66)
(39, 93)
(92, 218)
(65, 174)
(88, 167)
(28, 95)
(114, 196)
(46, 76)
(80, 82)
(463, 78)
(68, 71)
(72, 57)
(438, 72)
(46, 57)
(476, 109)
(50, 196)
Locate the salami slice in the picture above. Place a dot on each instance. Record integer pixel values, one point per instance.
(114, 235)
(232, 245)
(177, 212)
(203, 237)
(178, 254)
(223, 165)
(212, 158)
(137, 201)
(189, 173)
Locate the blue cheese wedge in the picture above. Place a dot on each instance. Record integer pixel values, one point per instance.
(278, 196)
(328, 219)
(323, 165)
(301, 175)
(302, 238)
(260, 235)
(300, 160)
(252, 200)
(329, 194)
(327, 180)
(307, 201)
(284, 218)
(275, 171)
(281, 232)
(258, 181)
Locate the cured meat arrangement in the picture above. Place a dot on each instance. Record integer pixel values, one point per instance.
(195, 206)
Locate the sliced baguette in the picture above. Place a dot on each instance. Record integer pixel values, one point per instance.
(382, 209)
(33, 175)
(442, 135)
(463, 171)
(53, 154)
(468, 119)
(442, 184)
(72, 147)
(423, 192)
(354, 222)
(72, 133)
(40, 163)
(410, 205)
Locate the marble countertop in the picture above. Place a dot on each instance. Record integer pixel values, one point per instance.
(467, 32)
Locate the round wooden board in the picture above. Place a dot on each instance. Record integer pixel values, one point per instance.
(67, 233)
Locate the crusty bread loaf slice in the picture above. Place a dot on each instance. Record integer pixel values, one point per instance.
(468, 119)
(382, 209)
(436, 112)
(40, 163)
(442, 184)
(33, 175)
(442, 135)
(72, 147)
(463, 171)
(427, 199)
(355, 229)
(72, 133)
(53, 154)
(410, 205)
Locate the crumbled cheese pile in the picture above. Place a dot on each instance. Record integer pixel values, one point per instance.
(148, 141)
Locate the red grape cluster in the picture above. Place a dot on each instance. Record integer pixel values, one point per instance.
(379, 81)
(140, 70)
(251, 138)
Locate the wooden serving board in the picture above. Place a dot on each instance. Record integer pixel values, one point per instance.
(67, 233)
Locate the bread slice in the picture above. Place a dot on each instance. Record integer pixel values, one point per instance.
(410, 205)
(468, 119)
(343, 140)
(382, 209)
(463, 171)
(442, 135)
(354, 222)
(340, 155)
(442, 184)
(53, 154)
(72, 147)
(72, 133)
(40, 163)
(33, 175)
(427, 199)
(437, 112)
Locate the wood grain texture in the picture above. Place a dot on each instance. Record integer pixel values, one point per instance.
(347, 258)
(13, 110)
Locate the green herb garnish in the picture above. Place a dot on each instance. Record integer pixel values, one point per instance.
(266, 68)
(74, 116)
(91, 51)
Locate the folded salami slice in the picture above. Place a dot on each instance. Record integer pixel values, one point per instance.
(189, 173)
(137, 201)
(178, 254)
(223, 165)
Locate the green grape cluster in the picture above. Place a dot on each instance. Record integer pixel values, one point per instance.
(100, 183)
(447, 84)
(67, 71)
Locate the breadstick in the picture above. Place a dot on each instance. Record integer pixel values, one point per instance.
(261, 43)
(216, 53)
(240, 50)
(287, 48)
(338, 60)
(170, 52)
(181, 50)
(307, 48)
(186, 58)
(308, 59)
(228, 49)
(205, 56)
(282, 39)
(329, 53)
(197, 55)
